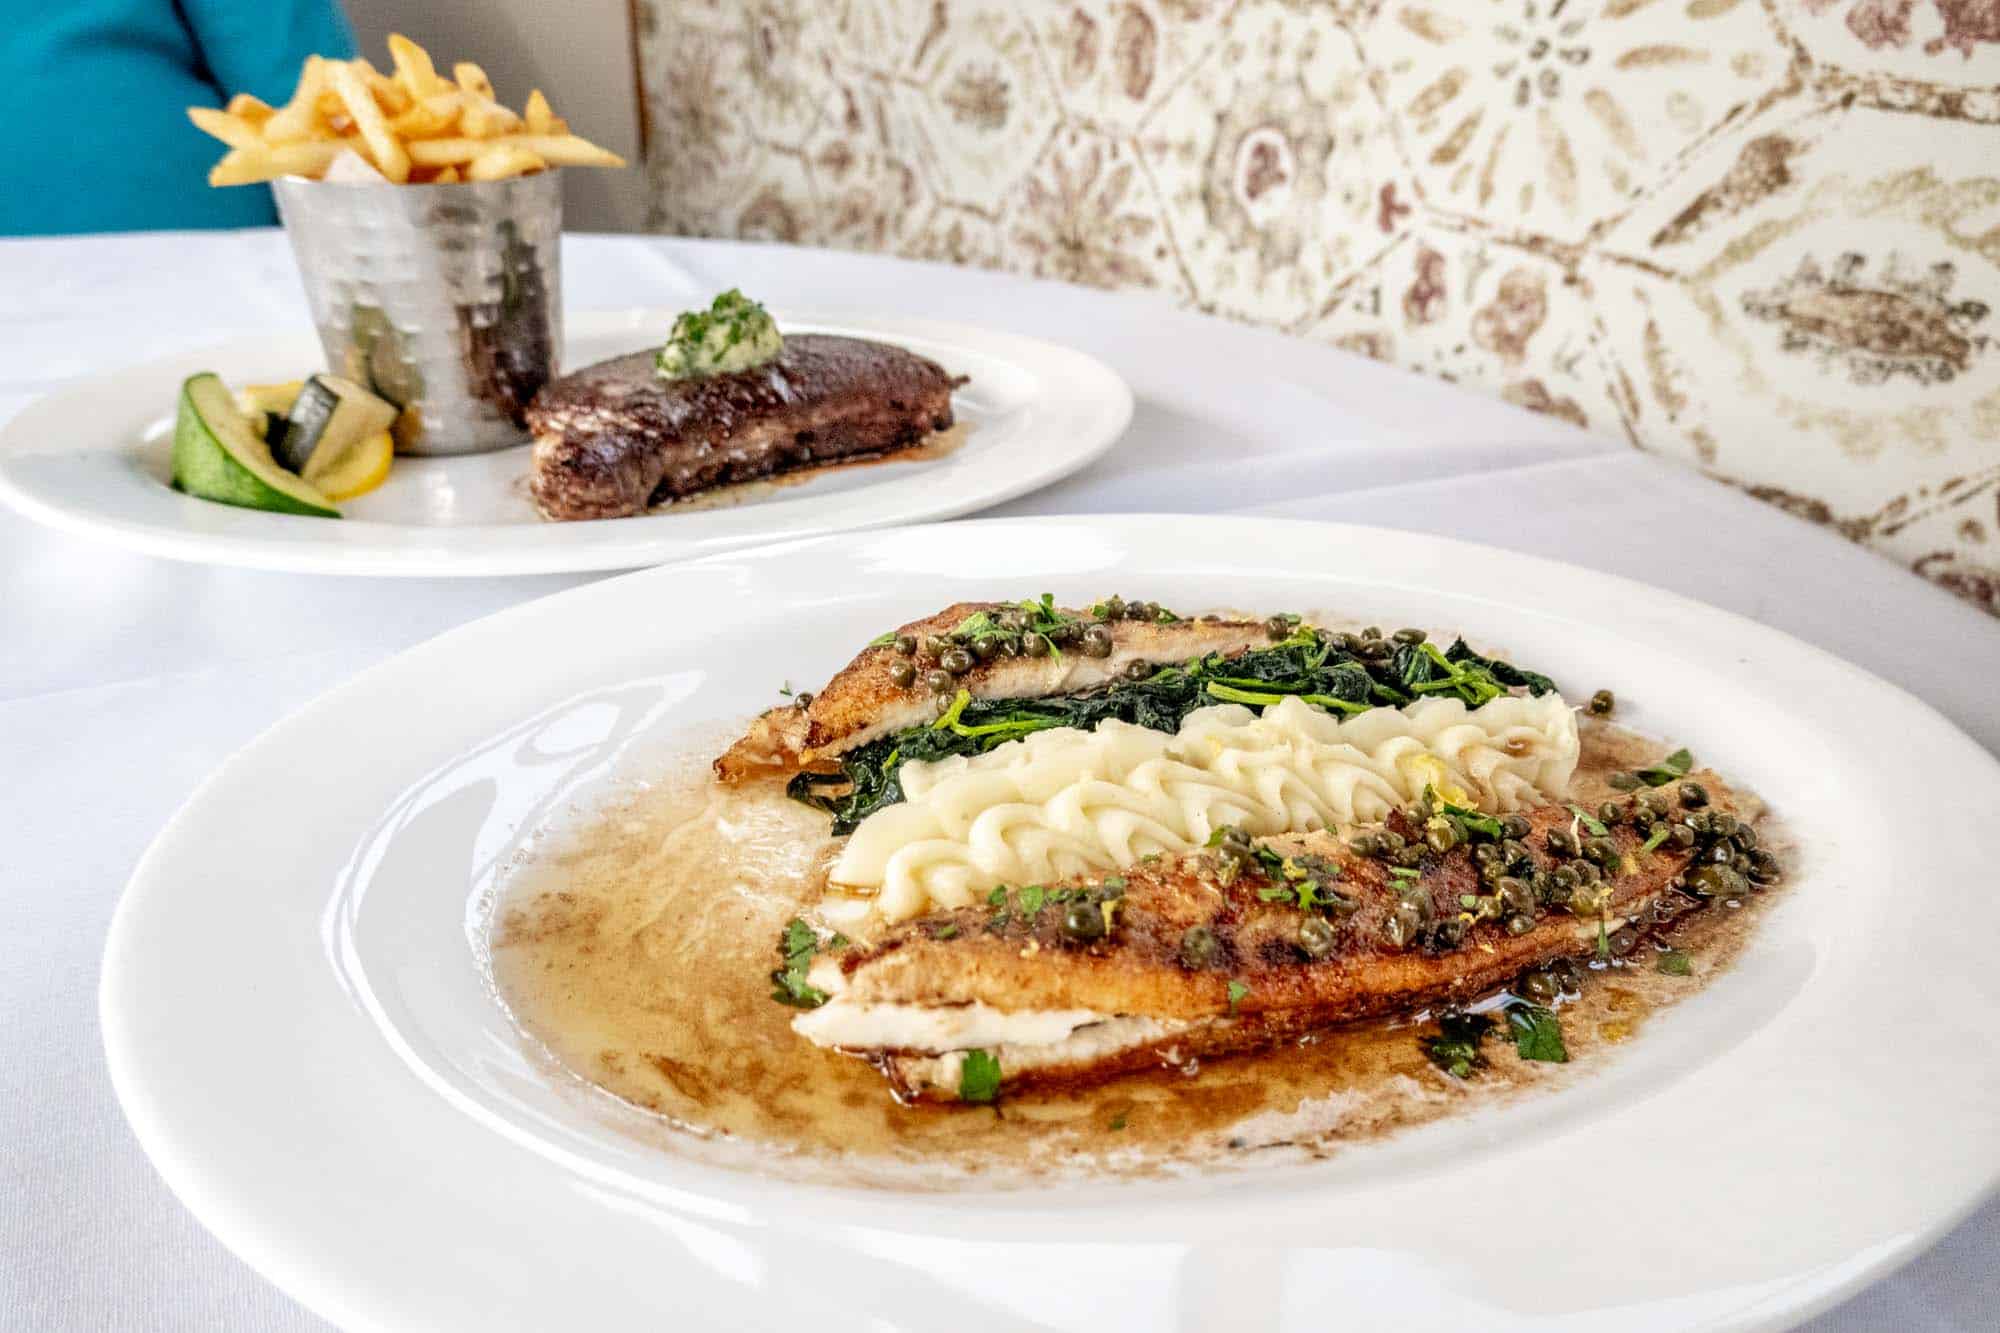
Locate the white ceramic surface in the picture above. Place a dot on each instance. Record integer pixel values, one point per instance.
(300, 1027)
(94, 458)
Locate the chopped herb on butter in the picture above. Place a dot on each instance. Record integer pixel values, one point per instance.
(978, 1077)
(734, 333)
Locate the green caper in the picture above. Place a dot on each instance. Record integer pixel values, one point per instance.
(1601, 850)
(1567, 975)
(905, 644)
(1626, 781)
(1097, 642)
(937, 645)
(903, 673)
(1372, 632)
(1517, 894)
(1317, 938)
(1610, 813)
(1723, 824)
(1566, 876)
(957, 661)
(1712, 881)
(1514, 852)
(1537, 985)
(1347, 643)
(1111, 608)
(1138, 670)
(1744, 837)
(1278, 627)
(1448, 934)
(1082, 922)
(1409, 635)
(1487, 854)
(1012, 621)
(1199, 947)
(986, 649)
(1064, 633)
(1562, 842)
(1693, 795)
(1682, 837)
(1587, 874)
(1035, 645)
(1410, 857)
(1543, 883)
(1520, 923)
(1763, 868)
(1516, 827)
(1403, 925)
(1722, 854)
(939, 682)
(1392, 841)
(1602, 702)
(1365, 844)
(1624, 940)
(1441, 837)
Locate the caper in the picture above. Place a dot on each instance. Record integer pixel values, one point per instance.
(939, 682)
(1111, 608)
(1487, 854)
(1624, 940)
(1602, 850)
(1699, 822)
(1448, 934)
(1693, 795)
(903, 674)
(1317, 937)
(1516, 827)
(1568, 975)
(1744, 837)
(1064, 632)
(1722, 854)
(1365, 844)
(1610, 813)
(1654, 801)
(1199, 947)
(1392, 841)
(1562, 842)
(1713, 881)
(1347, 643)
(957, 661)
(1602, 702)
(1409, 635)
(986, 649)
(1663, 909)
(1278, 627)
(1763, 867)
(1588, 874)
(1410, 857)
(1233, 833)
(1372, 632)
(1723, 824)
(1138, 670)
(905, 644)
(1537, 985)
(1682, 837)
(1544, 884)
(1403, 925)
(1097, 642)
(1082, 922)
(1520, 923)
(1514, 853)
(937, 645)
(1012, 621)
(1441, 837)
(1517, 894)
(1626, 781)
(1035, 645)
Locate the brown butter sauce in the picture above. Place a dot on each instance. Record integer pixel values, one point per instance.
(634, 950)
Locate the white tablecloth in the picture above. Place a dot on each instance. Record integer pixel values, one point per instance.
(124, 680)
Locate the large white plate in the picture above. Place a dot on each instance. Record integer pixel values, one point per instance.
(300, 1026)
(94, 459)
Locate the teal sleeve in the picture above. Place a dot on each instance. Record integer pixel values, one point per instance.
(257, 46)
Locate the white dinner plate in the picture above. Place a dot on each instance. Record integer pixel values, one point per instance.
(304, 1035)
(94, 458)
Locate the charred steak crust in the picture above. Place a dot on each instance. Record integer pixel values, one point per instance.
(614, 438)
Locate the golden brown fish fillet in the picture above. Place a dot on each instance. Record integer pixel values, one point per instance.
(862, 702)
(1163, 1008)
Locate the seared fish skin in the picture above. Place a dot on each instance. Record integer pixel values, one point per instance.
(861, 702)
(1143, 968)
(614, 438)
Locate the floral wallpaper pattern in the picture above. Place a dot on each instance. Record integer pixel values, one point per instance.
(1758, 236)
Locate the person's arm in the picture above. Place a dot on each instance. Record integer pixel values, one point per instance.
(257, 46)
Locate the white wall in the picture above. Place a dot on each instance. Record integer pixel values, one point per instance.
(578, 52)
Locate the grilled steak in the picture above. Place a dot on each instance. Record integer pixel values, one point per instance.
(614, 438)
(1210, 954)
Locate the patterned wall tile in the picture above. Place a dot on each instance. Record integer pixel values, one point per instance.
(1759, 236)
(1551, 116)
(1277, 166)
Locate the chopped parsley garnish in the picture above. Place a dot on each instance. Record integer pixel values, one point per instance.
(1589, 821)
(1118, 1121)
(1656, 837)
(978, 1077)
(1406, 872)
(1455, 1048)
(1472, 819)
(798, 944)
(1032, 898)
(1671, 769)
(947, 931)
(997, 898)
(1603, 939)
(1674, 963)
(1537, 1034)
(1308, 664)
(1237, 990)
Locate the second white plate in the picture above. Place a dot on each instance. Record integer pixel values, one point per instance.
(93, 459)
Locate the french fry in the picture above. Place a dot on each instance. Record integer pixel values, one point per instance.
(414, 69)
(447, 176)
(297, 119)
(472, 79)
(502, 160)
(232, 130)
(390, 158)
(486, 120)
(561, 150)
(431, 118)
(268, 161)
(537, 115)
(250, 110)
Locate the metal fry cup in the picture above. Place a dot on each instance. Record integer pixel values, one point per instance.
(444, 299)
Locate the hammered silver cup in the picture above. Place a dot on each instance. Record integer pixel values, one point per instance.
(444, 299)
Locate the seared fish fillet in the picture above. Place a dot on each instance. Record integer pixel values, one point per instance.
(614, 438)
(862, 702)
(1185, 932)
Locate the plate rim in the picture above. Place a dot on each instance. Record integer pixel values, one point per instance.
(419, 551)
(1806, 1296)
